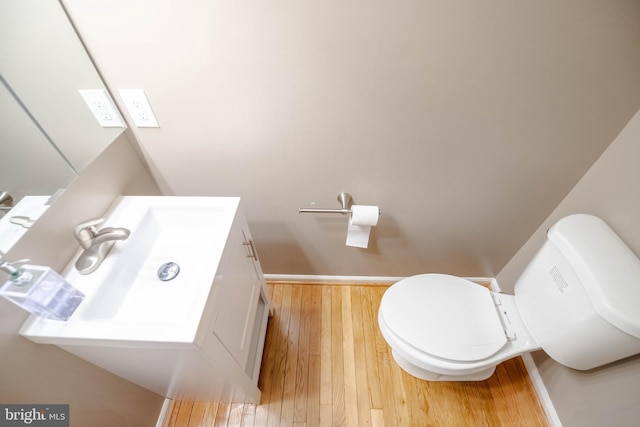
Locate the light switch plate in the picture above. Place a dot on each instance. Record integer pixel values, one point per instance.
(139, 108)
(102, 107)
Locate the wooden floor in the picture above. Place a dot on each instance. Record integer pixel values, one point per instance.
(326, 364)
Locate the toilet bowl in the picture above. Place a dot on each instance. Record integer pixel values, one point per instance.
(576, 300)
(445, 328)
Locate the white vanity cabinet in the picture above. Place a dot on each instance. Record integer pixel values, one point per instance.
(211, 353)
(240, 304)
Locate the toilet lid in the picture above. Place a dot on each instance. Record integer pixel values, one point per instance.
(444, 316)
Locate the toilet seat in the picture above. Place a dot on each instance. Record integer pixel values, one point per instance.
(446, 317)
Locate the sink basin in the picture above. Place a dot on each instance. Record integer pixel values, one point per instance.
(132, 290)
(125, 299)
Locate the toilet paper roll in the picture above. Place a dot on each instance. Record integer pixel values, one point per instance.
(360, 223)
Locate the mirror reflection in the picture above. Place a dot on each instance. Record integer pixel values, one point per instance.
(47, 133)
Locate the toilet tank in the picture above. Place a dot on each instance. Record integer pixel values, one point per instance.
(580, 294)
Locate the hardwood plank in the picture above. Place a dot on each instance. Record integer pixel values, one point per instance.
(361, 379)
(197, 414)
(348, 356)
(302, 363)
(222, 414)
(175, 410)
(510, 391)
(313, 397)
(277, 380)
(326, 415)
(399, 393)
(369, 320)
(325, 348)
(419, 408)
(524, 393)
(330, 337)
(315, 316)
(337, 360)
(184, 413)
(314, 366)
(375, 294)
(470, 407)
(209, 417)
(388, 405)
(486, 403)
(377, 418)
(502, 371)
(455, 404)
(291, 360)
(500, 395)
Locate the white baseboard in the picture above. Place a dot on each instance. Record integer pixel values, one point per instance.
(350, 280)
(334, 280)
(165, 412)
(541, 391)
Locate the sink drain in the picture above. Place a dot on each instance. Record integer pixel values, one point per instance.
(168, 271)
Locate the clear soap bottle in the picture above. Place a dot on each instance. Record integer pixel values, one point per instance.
(40, 291)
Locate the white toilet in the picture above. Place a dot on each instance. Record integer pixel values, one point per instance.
(578, 300)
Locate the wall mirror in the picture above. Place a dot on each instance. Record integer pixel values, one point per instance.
(48, 135)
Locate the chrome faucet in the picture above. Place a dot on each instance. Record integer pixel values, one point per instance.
(96, 243)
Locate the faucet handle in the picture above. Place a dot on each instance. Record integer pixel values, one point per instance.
(86, 230)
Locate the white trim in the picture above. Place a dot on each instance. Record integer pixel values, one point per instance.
(541, 391)
(334, 280)
(165, 412)
(350, 280)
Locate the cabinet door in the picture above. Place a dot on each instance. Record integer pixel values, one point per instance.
(238, 297)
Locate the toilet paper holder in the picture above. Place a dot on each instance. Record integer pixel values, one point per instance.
(346, 201)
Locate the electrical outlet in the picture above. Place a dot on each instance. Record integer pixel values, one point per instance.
(139, 108)
(102, 107)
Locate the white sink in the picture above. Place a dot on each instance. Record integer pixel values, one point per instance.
(125, 300)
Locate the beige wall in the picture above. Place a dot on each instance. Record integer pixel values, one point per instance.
(466, 122)
(31, 373)
(610, 190)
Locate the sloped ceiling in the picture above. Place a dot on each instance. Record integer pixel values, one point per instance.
(466, 122)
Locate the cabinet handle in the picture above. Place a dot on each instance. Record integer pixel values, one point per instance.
(252, 250)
